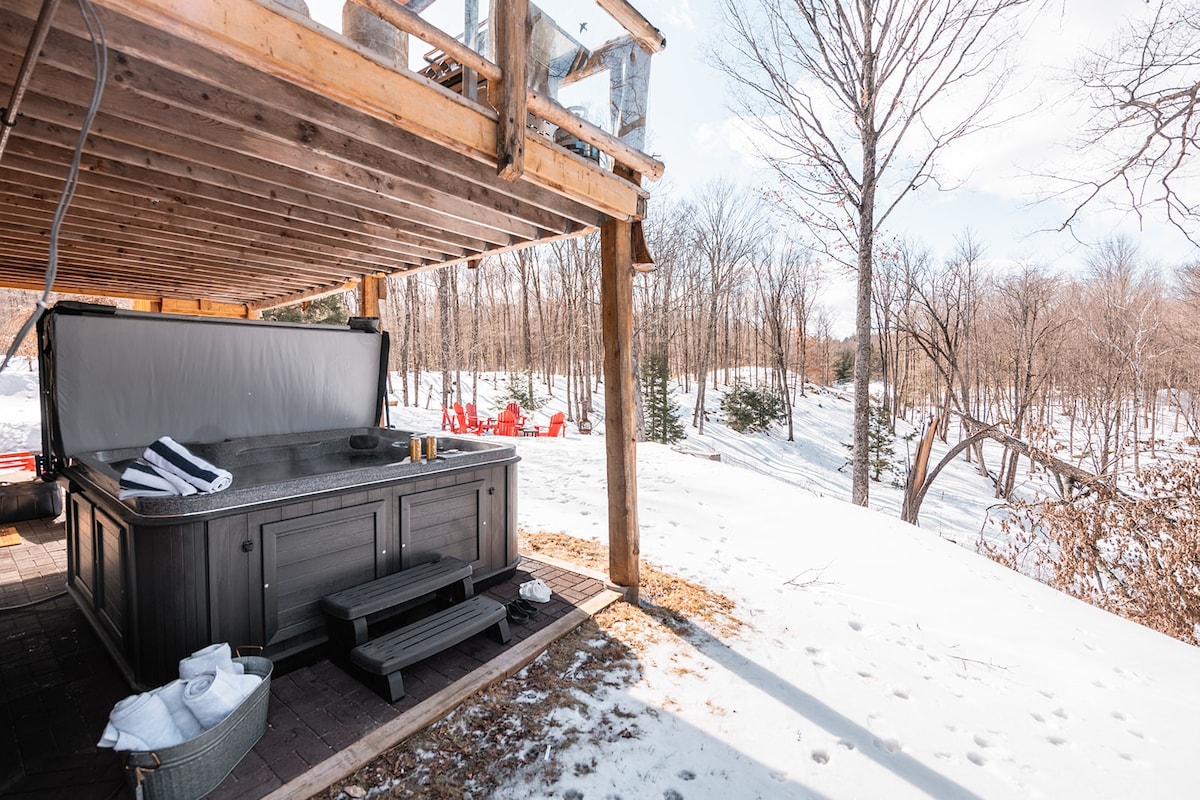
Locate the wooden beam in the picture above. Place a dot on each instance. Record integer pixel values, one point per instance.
(512, 48)
(649, 37)
(305, 54)
(203, 308)
(620, 427)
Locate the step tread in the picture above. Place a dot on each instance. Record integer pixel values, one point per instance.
(428, 636)
(395, 589)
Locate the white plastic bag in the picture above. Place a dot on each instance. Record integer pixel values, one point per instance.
(535, 590)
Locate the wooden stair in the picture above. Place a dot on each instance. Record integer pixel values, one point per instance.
(381, 659)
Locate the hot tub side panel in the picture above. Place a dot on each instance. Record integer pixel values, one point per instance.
(470, 516)
(157, 590)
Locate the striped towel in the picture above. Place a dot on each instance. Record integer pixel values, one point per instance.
(146, 480)
(173, 457)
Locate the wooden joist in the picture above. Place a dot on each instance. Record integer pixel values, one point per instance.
(247, 157)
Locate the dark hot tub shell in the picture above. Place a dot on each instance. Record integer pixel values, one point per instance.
(311, 511)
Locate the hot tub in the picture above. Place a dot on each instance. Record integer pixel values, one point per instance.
(311, 510)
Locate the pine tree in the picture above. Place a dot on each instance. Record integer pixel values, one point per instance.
(662, 414)
(843, 369)
(881, 443)
(750, 409)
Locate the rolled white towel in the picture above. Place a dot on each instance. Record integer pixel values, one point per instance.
(177, 459)
(208, 659)
(141, 722)
(127, 741)
(109, 737)
(172, 697)
(211, 696)
(146, 480)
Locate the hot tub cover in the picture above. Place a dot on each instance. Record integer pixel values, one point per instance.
(115, 379)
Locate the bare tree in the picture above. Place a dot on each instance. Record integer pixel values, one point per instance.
(727, 222)
(777, 278)
(845, 95)
(1144, 89)
(1027, 320)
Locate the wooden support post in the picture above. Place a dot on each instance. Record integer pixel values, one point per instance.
(369, 292)
(512, 45)
(620, 429)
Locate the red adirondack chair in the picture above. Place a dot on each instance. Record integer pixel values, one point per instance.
(557, 426)
(474, 423)
(515, 408)
(13, 462)
(506, 424)
(459, 424)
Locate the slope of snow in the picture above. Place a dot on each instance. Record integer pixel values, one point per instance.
(880, 660)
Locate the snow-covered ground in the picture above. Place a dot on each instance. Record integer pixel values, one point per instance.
(880, 660)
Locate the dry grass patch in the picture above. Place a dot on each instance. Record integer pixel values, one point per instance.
(512, 732)
(676, 601)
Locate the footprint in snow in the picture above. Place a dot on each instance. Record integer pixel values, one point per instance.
(686, 774)
(901, 693)
(976, 759)
(1119, 715)
(981, 741)
(1060, 712)
(820, 756)
(846, 743)
(1057, 741)
(855, 625)
(888, 745)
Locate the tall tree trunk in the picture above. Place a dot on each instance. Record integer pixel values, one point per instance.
(860, 455)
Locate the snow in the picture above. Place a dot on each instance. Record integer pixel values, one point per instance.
(880, 660)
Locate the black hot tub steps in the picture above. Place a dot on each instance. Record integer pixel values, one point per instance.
(386, 656)
(347, 610)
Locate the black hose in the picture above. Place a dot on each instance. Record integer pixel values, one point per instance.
(32, 603)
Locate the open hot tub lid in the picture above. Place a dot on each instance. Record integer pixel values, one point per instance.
(113, 378)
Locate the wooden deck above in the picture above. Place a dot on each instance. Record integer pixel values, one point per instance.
(244, 155)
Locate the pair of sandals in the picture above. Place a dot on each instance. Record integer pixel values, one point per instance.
(521, 610)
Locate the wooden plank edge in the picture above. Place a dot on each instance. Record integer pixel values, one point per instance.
(425, 713)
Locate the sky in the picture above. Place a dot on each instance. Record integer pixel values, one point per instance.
(991, 187)
(879, 660)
